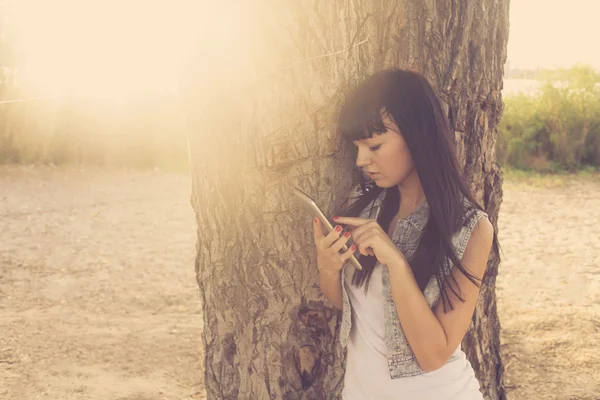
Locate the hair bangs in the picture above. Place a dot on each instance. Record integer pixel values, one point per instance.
(361, 117)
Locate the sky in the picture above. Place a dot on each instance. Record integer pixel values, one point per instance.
(122, 47)
(114, 48)
(554, 33)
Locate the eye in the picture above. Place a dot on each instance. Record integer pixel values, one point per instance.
(375, 148)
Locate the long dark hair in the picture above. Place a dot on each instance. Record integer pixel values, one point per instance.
(412, 103)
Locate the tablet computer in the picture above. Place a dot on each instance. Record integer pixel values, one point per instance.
(309, 205)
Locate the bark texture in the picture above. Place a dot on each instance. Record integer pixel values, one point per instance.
(260, 117)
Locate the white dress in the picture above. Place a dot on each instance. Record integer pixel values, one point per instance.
(367, 374)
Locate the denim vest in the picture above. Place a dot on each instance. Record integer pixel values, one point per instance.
(401, 359)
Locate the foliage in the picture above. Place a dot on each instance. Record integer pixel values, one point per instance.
(557, 128)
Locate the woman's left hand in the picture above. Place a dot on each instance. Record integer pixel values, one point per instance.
(372, 240)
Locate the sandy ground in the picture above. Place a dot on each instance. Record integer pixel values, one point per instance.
(548, 288)
(98, 298)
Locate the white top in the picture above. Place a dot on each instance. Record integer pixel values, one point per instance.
(367, 373)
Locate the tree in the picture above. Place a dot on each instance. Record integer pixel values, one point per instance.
(260, 97)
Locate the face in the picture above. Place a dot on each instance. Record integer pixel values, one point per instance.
(385, 157)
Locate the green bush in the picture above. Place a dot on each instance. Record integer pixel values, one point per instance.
(557, 128)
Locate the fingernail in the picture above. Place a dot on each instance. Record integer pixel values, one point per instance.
(353, 247)
(336, 218)
(347, 234)
(338, 228)
(315, 220)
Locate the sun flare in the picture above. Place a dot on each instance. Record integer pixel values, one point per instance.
(103, 48)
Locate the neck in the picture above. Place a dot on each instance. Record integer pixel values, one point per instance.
(411, 193)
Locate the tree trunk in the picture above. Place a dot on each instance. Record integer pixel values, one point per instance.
(260, 100)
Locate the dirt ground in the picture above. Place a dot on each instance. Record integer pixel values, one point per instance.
(98, 298)
(548, 288)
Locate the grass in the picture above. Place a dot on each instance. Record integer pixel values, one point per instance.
(549, 180)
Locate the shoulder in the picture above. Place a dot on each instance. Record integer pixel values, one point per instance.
(353, 194)
(356, 192)
(482, 232)
(476, 228)
(477, 250)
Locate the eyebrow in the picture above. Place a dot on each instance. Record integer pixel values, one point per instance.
(366, 139)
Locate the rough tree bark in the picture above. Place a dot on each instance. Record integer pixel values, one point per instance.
(260, 117)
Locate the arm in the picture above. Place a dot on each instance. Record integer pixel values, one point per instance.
(432, 334)
(331, 286)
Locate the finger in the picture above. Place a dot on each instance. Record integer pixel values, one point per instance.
(348, 253)
(360, 233)
(365, 247)
(339, 243)
(332, 237)
(318, 230)
(366, 250)
(362, 249)
(352, 221)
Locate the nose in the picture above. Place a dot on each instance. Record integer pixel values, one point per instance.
(362, 158)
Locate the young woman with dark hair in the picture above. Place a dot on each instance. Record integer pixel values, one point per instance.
(424, 244)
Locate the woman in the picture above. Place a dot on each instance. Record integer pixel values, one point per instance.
(423, 241)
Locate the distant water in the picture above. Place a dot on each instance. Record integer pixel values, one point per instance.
(527, 86)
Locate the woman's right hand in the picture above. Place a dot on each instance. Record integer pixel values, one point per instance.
(329, 259)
